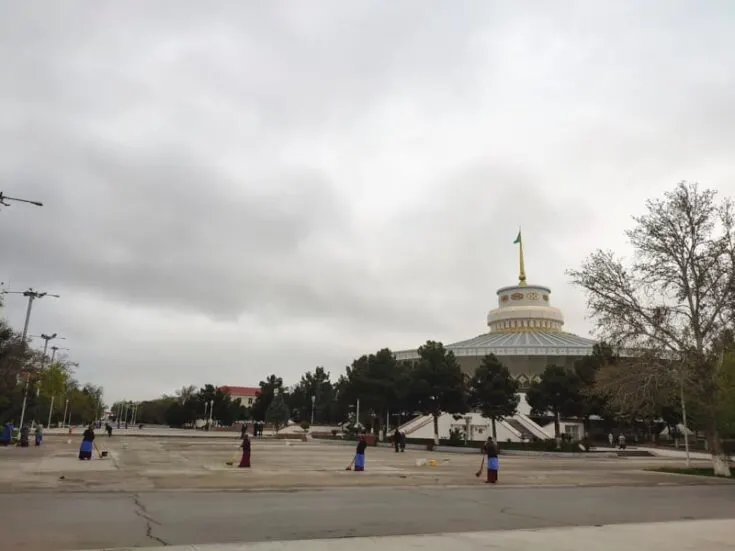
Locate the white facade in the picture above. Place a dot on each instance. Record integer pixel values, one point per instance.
(475, 427)
(575, 429)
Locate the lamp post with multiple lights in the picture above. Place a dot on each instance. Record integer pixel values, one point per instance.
(4, 201)
(32, 296)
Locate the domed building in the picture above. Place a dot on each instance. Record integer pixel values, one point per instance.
(525, 332)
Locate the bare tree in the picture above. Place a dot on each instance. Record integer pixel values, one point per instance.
(677, 296)
(185, 393)
(638, 387)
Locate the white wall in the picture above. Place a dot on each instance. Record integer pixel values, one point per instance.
(523, 407)
(575, 428)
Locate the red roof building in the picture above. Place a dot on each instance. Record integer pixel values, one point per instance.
(246, 394)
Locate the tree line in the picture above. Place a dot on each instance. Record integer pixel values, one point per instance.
(52, 388)
(391, 391)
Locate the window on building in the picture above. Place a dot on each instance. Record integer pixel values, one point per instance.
(572, 430)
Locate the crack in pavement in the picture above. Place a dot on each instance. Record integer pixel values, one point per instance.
(142, 512)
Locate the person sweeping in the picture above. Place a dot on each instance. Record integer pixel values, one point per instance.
(87, 445)
(245, 459)
(490, 449)
(359, 459)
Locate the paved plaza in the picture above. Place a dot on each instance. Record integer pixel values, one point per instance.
(161, 490)
(158, 463)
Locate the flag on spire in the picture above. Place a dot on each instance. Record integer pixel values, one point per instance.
(522, 267)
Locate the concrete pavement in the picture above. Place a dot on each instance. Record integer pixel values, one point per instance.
(107, 520)
(703, 535)
(144, 464)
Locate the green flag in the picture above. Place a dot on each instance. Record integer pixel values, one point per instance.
(518, 239)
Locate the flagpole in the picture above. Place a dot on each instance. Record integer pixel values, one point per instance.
(522, 272)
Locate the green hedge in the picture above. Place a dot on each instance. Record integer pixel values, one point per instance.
(538, 445)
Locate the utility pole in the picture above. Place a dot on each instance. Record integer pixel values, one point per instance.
(31, 295)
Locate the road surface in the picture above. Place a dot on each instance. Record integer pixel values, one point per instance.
(41, 521)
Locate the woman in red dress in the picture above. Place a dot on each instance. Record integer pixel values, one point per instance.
(245, 459)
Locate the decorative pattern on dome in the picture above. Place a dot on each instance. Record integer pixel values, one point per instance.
(526, 311)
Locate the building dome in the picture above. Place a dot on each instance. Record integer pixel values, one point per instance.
(526, 333)
(524, 308)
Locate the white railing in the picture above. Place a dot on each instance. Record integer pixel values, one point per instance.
(532, 427)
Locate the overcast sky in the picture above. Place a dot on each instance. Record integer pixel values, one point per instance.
(234, 189)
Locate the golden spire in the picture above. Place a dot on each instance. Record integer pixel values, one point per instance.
(522, 272)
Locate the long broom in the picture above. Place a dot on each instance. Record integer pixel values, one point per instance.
(231, 462)
(102, 454)
(349, 467)
(482, 464)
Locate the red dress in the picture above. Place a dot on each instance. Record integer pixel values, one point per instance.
(245, 459)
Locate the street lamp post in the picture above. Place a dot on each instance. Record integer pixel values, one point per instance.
(53, 398)
(313, 403)
(4, 200)
(54, 350)
(68, 420)
(46, 338)
(684, 422)
(66, 408)
(31, 295)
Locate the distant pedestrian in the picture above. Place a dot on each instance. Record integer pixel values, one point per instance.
(360, 454)
(491, 450)
(403, 441)
(245, 459)
(397, 440)
(25, 432)
(7, 434)
(611, 439)
(39, 434)
(621, 441)
(108, 428)
(243, 431)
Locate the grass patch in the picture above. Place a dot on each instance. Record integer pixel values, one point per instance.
(693, 471)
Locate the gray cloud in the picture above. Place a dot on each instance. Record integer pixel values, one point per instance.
(248, 188)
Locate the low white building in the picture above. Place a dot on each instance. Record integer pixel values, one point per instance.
(474, 427)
